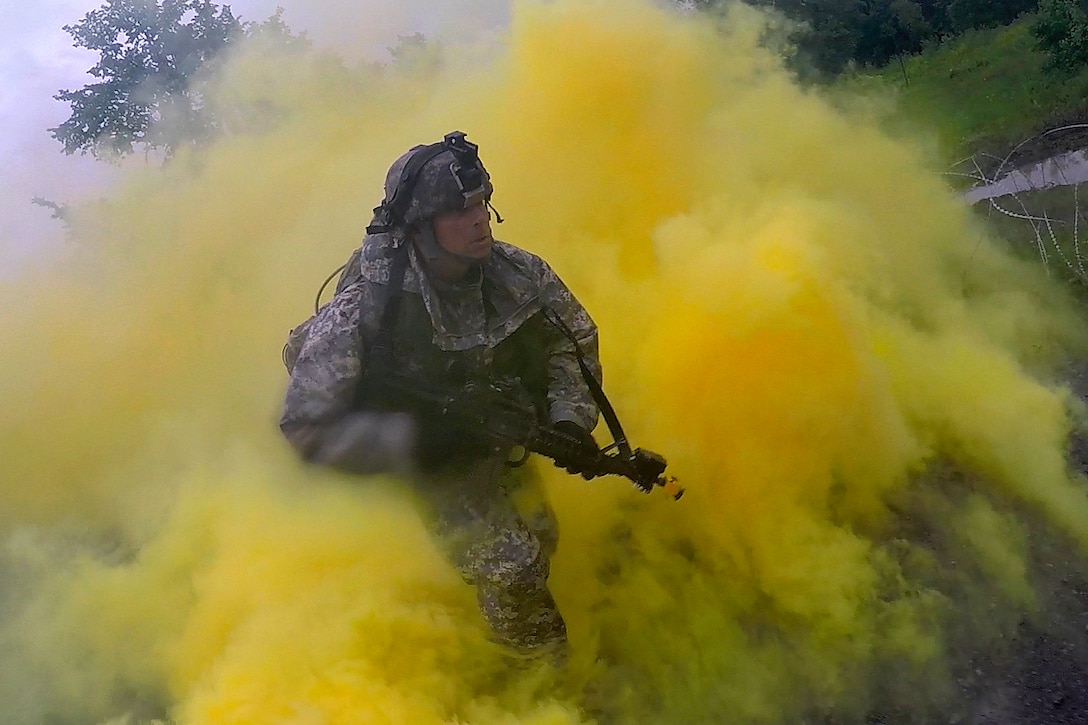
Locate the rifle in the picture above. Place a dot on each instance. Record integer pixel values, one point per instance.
(500, 415)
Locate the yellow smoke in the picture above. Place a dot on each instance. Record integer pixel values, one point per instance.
(793, 309)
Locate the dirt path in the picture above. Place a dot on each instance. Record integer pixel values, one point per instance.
(1043, 678)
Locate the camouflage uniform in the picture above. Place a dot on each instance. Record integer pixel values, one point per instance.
(490, 324)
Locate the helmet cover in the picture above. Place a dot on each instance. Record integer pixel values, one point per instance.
(448, 181)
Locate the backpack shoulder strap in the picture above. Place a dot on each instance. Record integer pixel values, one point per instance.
(381, 351)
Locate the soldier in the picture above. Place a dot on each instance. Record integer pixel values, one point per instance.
(432, 295)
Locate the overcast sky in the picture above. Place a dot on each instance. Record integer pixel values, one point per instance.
(37, 59)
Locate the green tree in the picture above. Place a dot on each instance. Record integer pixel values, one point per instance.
(1061, 28)
(890, 28)
(935, 14)
(831, 34)
(151, 51)
(966, 15)
(827, 33)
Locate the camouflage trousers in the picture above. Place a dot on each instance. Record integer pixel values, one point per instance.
(495, 526)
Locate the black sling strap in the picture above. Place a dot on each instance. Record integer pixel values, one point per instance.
(615, 428)
(381, 352)
(619, 438)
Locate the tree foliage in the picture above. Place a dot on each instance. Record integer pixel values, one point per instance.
(150, 54)
(1061, 28)
(966, 15)
(833, 34)
(890, 29)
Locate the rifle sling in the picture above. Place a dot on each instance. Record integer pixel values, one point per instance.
(382, 350)
(594, 385)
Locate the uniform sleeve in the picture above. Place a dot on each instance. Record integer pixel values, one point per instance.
(569, 397)
(320, 419)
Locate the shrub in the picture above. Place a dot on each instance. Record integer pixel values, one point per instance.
(1061, 28)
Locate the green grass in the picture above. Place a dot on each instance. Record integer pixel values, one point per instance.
(982, 94)
(1056, 234)
(983, 91)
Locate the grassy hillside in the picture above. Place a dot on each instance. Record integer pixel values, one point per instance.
(985, 91)
(983, 94)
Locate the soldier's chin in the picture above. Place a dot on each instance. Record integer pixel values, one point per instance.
(480, 250)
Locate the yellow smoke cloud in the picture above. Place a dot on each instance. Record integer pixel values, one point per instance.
(793, 309)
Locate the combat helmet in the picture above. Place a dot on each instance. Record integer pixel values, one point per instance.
(428, 180)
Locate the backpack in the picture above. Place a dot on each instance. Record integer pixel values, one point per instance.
(349, 272)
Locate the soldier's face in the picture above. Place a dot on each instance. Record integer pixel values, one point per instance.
(465, 233)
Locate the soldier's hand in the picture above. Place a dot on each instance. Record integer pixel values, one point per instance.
(581, 462)
(368, 443)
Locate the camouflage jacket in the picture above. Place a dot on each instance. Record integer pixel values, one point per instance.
(488, 325)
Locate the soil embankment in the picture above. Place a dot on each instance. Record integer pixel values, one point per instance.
(1040, 676)
(1062, 134)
